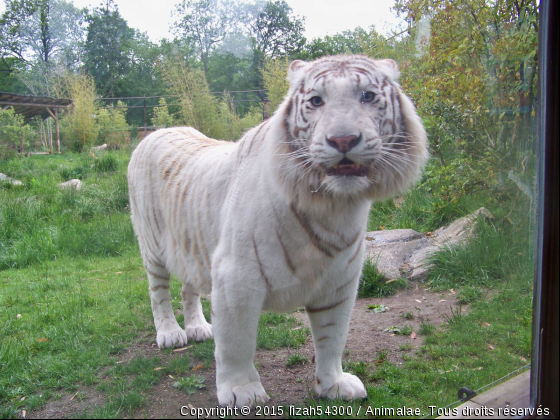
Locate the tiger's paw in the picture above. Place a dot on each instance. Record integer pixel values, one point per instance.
(347, 386)
(199, 333)
(249, 395)
(169, 339)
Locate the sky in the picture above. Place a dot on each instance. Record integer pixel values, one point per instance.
(322, 17)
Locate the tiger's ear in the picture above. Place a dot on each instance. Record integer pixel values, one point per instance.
(389, 67)
(296, 70)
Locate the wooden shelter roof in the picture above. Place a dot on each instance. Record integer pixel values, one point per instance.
(31, 106)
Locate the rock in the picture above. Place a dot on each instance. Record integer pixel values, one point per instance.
(6, 178)
(75, 184)
(403, 252)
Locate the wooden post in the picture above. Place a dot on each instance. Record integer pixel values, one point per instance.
(46, 134)
(57, 130)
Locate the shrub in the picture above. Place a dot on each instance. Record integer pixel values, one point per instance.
(77, 125)
(13, 132)
(275, 82)
(111, 125)
(161, 117)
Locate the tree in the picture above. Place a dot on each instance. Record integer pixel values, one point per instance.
(347, 42)
(107, 50)
(276, 31)
(205, 24)
(9, 69)
(41, 31)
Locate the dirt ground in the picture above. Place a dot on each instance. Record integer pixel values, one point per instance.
(285, 385)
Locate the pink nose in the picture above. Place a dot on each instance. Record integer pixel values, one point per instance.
(344, 144)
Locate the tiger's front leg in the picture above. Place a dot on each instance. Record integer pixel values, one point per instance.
(329, 326)
(236, 308)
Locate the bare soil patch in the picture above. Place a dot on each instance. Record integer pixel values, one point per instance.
(367, 338)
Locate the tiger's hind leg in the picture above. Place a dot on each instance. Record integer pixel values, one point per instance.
(169, 333)
(196, 327)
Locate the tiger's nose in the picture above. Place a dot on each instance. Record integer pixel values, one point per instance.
(344, 144)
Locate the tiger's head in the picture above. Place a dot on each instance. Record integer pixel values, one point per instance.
(350, 130)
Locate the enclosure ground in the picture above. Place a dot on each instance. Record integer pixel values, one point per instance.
(369, 342)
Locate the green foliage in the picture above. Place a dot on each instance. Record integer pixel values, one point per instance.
(280, 330)
(77, 124)
(107, 47)
(469, 294)
(374, 284)
(111, 125)
(40, 222)
(360, 369)
(274, 79)
(106, 163)
(426, 328)
(190, 384)
(45, 30)
(475, 83)
(161, 117)
(296, 359)
(199, 108)
(493, 255)
(14, 133)
(276, 31)
(205, 23)
(346, 42)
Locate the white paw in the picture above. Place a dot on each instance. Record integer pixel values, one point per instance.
(168, 339)
(347, 386)
(200, 333)
(249, 395)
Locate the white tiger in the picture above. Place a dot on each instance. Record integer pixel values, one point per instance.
(277, 220)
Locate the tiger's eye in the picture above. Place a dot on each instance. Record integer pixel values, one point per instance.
(367, 96)
(316, 101)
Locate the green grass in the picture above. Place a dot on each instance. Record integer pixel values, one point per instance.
(296, 359)
(75, 298)
(375, 284)
(42, 223)
(426, 328)
(280, 330)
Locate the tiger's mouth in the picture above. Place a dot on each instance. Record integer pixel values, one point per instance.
(347, 167)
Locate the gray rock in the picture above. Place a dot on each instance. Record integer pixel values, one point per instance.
(6, 178)
(403, 252)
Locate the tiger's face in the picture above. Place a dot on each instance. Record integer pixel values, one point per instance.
(347, 126)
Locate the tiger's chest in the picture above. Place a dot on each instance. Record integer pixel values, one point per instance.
(296, 255)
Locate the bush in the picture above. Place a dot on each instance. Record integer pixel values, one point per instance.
(13, 132)
(275, 82)
(77, 124)
(199, 108)
(161, 117)
(111, 125)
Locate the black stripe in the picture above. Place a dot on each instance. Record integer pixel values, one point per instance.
(261, 269)
(325, 308)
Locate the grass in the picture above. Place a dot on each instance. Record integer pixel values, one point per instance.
(296, 359)
(75, 299)
(375, 284)
(42, 223)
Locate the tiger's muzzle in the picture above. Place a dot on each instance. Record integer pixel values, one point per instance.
(346, 167)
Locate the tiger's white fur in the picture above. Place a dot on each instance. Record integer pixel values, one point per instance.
(271, 222)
